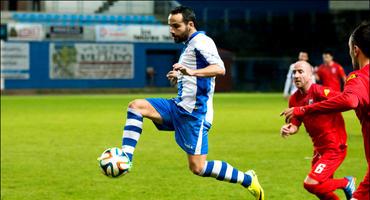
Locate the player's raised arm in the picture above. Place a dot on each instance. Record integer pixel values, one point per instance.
(345, 101)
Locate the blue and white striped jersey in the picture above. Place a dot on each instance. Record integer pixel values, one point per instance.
(195, 94)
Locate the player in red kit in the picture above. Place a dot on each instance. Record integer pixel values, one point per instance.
(328, 135)
(330, 73)
(355, 96)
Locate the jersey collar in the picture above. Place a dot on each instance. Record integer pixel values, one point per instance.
(193, 35)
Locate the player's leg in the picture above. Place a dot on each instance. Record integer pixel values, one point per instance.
(137, 109)
(146, 109)
(217, 169)
(223, 171)
(324, 191)
(363, 190)
(320, 181)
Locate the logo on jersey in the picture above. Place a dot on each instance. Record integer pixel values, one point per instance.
(351, 77)
(310, 101)
(326, 92)
(333, 70)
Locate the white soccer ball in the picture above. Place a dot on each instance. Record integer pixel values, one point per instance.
(114, 162)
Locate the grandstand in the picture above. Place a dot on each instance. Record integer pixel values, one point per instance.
(140, 41)
(251, 32)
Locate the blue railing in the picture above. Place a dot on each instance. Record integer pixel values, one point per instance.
(54, 18)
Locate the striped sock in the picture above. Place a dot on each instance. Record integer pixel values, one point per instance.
(223, 171)
(131, 132)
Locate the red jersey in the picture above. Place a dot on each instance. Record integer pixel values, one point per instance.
(331, 76)
(327, 131)
(355, 96)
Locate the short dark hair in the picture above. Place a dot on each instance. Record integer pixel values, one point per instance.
(328, 51)
(361, 37)
(187, 14)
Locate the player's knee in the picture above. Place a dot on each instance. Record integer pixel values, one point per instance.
(136, 104)
(312, 188)
(196, 168)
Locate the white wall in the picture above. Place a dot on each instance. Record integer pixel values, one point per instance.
(72, 6)
(132, 8)
(349, 5)
(119, 7)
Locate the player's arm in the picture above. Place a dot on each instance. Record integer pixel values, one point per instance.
(317, 73)
(340, 103)
(317, 77)
(288, 83)
(345, 101)
(292, 127)
(209, 71)
(207, 52)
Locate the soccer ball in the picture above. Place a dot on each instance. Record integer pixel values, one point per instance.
(114, 162)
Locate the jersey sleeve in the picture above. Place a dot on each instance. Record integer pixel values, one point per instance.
(347, 100)
(295, 120)
(208, 50)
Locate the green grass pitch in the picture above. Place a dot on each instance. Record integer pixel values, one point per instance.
(49, 146)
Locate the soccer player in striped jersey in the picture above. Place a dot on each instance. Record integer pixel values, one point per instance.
(190, 114)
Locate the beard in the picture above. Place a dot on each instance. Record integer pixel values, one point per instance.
(355, 63)
(182, 37)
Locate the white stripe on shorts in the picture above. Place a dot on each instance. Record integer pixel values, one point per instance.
(198, 148)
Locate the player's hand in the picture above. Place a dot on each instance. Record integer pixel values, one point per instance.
(172, 74)
(288, 113)
(172, 77)
(288, 129)
(183, 70)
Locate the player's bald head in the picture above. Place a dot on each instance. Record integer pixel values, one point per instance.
(302, 73)
(303, 65)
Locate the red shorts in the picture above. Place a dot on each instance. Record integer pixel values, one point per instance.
(363, 190)
(325, 164)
